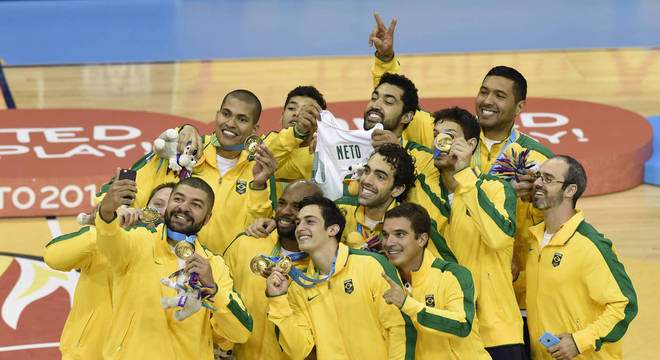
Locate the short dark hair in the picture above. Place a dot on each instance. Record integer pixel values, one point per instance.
(198, 183)
(419, 218)
(329, 211)
(246, 96)
(519, 82)
(307, 91)
(403, 164)
(410, 98)
(468, 122)
(575, 174)
(158, 188)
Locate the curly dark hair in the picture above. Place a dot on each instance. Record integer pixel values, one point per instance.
(403, 164)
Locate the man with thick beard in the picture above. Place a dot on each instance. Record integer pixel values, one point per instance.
(140, 258)
(262, 344)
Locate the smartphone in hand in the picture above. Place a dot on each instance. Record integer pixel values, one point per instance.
(127, 174)
(548, 340)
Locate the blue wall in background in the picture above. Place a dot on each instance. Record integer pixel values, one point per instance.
(58, 32)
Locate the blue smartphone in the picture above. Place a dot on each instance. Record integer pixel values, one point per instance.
(547, 339)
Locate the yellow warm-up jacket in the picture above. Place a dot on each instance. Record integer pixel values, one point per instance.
(442, 308)
(236, 204)
(262, 343)
(576, 284)
(141, 328)
(479, 225)
(87, 325)
(346, 316)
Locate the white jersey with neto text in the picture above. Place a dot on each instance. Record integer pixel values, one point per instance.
(338, 151)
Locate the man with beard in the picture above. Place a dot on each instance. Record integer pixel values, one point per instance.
(476, 215)
(262, 344)
(340, 310)
(385, 179)
(577, 289)
(437, 295)
(240, 184)
(86, 329)
(140, 258)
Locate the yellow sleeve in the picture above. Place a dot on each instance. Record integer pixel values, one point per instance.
(400, 329)
(282, 143)
(456, 314)
(260, 203)
(231, 320)
(297, 166)
(117, 245)
(292, 326)
(608, 285)
(381, 67)
(71, 251)
(491, 204)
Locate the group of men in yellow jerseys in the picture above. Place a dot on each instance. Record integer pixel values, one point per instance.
(461, 246)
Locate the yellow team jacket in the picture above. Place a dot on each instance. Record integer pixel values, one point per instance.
(357, 232)
(87, 325)
(236, 205)
(479, 225)
(576, 284)
(345, 317)
(141, 328)
(441, 306)
(262, 343)
(526, 214)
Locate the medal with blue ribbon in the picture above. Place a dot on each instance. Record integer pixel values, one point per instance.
(185, 244)
(262, 265)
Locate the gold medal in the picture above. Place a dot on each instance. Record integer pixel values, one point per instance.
(251, 144)
(260, 265)
(184, 250)
(149, 215)
(285, 264)
(443, 142)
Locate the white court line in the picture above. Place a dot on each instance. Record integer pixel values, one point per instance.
(54, 227)
(29, 346)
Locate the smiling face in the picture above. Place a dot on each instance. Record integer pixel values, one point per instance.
(311, 232)
(402, 246)
(188, 209)
(377, 183)
(235, 121)
(288, 204)
(495, 103)
(385, 107)
(549, 191)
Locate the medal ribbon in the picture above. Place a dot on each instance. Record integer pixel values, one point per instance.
(300, 277)
(177, 236)
(216, 143)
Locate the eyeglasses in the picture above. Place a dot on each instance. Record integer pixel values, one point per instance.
(546, 180)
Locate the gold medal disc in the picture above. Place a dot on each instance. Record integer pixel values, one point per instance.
(443, 142)
(149, 215)
(184, 250)
(251, 144)
(259, 265)
(285, 265)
